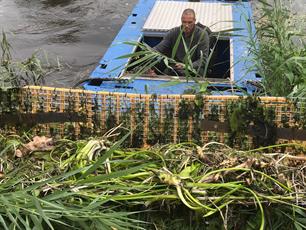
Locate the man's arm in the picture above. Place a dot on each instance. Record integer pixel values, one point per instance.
(165, 46)
(203, 48)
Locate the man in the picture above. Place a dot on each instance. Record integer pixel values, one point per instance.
(196, 40)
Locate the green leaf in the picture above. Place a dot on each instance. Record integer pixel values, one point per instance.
(3, 223)
(102, 159)
(58, 195)
(203, 87)
(37, 222)
(41, 212)
(185, 173)
(136, 54)
(100, 178)
(177, 42)
(170, 83)
(59, 177)
(142, 60)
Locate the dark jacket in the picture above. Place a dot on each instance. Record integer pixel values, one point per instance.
(199, 39)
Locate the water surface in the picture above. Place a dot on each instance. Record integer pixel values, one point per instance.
(78, 32)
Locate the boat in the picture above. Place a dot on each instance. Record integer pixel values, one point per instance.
(230, 72)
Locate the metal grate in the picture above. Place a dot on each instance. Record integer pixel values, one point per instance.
(153, 118)
(166, 15)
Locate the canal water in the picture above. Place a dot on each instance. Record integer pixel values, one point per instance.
(77, 32)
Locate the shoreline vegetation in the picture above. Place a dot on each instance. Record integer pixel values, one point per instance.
(279, 49)
(30, 71)
(97, 183)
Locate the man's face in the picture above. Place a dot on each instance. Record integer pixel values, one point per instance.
(188, 23)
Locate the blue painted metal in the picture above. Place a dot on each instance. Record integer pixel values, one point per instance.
(242, 17)
(143, 86)
(110, 67)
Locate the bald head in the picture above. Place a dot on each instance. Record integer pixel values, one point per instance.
(188, 21)
(189, 11)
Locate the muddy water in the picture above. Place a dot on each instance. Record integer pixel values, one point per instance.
(76, 31)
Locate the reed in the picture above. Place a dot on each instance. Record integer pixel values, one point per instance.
(279, 50)
(17, 73)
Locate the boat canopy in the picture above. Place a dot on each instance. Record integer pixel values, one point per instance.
(166, 15)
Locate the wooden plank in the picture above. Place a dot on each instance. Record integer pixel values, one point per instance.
(40, 118)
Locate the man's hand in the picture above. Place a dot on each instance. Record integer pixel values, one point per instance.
(150, 72)
(179, 66)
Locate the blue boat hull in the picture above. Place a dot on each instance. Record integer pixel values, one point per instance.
(110, 69)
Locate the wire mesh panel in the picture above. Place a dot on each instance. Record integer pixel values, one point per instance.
(242, 122)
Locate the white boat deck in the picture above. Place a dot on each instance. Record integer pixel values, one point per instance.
(167, 14)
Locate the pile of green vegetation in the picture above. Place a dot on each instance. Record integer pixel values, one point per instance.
(95, 184)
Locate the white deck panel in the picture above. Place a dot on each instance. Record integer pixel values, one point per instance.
(167, 14)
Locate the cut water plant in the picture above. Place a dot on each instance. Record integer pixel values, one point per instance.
(99, 185)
